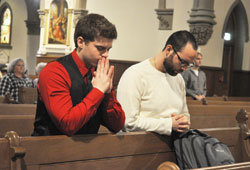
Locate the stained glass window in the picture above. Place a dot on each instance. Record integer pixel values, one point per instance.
(5, 25)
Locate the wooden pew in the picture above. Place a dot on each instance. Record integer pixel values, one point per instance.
(17, 109)
(7, 99)
(17, 117)
(238, 99)
(27, 95)
(121, 151)
(214, 116)
(4, 154)
(20, 117)
(215, 102)
(2, 99)
(223, 98)
(208, 98)
(136, 150)
(22, 124)
(239, 166)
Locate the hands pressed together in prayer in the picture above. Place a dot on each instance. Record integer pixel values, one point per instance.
(180, 123)
(103, 76)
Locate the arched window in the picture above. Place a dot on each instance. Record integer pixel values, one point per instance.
(6, 26)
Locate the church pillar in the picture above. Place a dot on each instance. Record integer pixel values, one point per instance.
(202, 20)
(33, 32)
(165, 16)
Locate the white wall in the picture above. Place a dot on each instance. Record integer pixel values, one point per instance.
(19, 30)
(137, 25)
(138, 34)
(213, 50)
(246, 56)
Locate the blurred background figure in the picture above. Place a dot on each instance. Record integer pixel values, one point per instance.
(14, 79)
(195, 80)
(3, 70)
(39, 68)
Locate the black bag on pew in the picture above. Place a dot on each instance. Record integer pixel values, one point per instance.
(195, 149)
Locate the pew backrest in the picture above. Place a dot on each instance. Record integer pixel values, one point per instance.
(202, 116)
(214, 116)
(22, 124)
(215, 102)
(137, 150)
(134, 150)
(17, 109)
(27, 95)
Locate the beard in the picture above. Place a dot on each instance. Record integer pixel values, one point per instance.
(169, 65)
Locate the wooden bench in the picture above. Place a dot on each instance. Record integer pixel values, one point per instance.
(238, 99)
(121, 151)
(239, 166)
(223, 98)
(20, 117)
(27, 95)
(215, 102)
(17, 117)
(22, 124)
(17, 109)
(2, 99)
(214, 116)
(217, 98)
(136, 150)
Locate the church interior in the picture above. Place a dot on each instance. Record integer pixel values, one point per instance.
(41, 31)
(142, 28)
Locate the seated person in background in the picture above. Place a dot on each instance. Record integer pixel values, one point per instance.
(4, 69)
(2, 66)
(39, 68)
(71, 101)
(152, 93)
(195, 80)
(14, 79)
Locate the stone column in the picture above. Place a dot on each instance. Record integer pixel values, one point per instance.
(33, 31)
(164, 15)
(202, 20)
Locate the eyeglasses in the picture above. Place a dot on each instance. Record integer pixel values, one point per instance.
(183, 62)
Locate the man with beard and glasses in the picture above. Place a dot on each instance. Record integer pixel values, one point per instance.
(152, 93)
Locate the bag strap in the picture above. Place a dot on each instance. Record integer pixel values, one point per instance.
(192, 132)
(196, 131)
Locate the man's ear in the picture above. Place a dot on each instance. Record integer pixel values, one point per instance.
(80, 42)
(168, 49)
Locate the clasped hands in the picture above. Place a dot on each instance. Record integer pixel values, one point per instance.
(199, 97)
(180, 123)
(103, 76)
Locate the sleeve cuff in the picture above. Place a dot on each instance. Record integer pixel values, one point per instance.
(95, 95)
